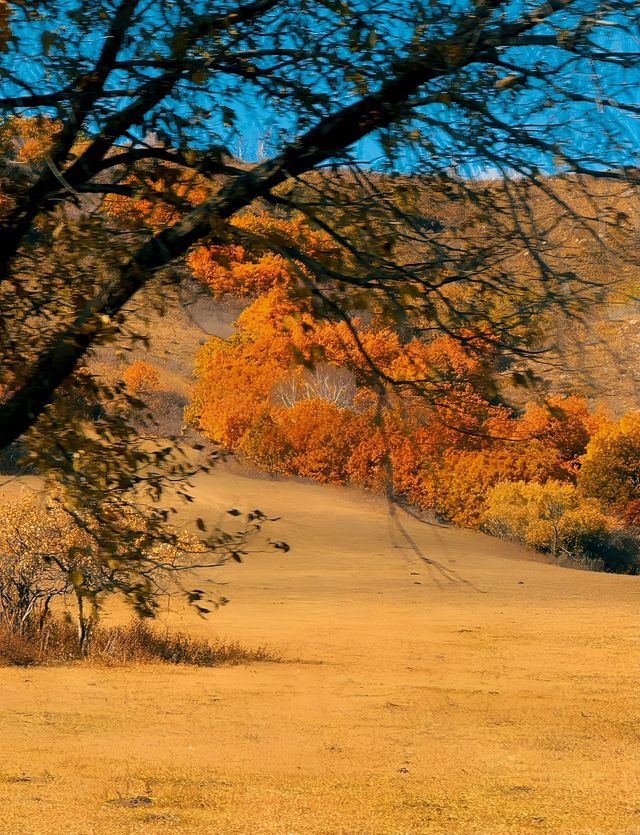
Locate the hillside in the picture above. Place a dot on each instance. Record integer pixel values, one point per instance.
(599, 360)
(433, 680)
(492, 694)
(319, 418)
(584, 229)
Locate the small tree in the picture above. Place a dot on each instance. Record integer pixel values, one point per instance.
(610, 469)
(48, 551)
(556, 518)
(45, 554)
(324, 382)
(31, 542)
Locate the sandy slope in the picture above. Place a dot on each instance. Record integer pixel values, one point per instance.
(497, 696)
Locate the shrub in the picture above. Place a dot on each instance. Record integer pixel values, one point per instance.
(619, 552)
(506, 514)
(140, 376)
(134, 642)
(556, 518)
(322, 438)
(266, 445)
(140, 640)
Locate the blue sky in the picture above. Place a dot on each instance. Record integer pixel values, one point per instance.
(598, 135)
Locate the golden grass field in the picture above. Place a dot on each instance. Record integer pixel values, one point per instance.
(502, 698)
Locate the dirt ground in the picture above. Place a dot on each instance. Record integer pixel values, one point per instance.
(492, 694)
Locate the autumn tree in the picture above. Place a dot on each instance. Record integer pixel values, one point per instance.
(610, 468)
(252, 269)
(439, 88)
(558, 519)
(30, 539)
(561, 427)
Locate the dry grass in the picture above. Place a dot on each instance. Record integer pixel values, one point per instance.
(503, 705)
(135, 642)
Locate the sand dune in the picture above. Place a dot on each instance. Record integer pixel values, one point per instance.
(487, 693)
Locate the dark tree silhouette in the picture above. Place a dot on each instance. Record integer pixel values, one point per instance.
(453, 92)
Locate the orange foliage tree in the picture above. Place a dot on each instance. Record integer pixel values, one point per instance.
(25, 140)
(251, 394)
(320, 435)
(610, 469)
(249, 269)
(344, 402)
(560, 428)
(160, 194)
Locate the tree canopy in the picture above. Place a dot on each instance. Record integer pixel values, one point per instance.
(145, 100)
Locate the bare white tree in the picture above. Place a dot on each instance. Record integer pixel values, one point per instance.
(324, 382)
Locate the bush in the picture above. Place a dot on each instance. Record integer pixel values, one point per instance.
(140, 640)
(266, 445)
(556, 518)
(140, 376)
(615, 550)
(321, 437)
